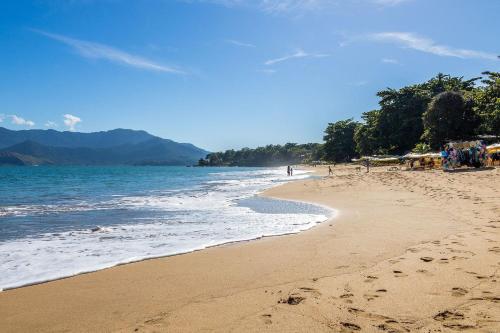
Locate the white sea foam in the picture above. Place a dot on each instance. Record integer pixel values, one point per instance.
(193, 219)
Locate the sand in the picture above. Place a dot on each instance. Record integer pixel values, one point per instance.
(408, 252)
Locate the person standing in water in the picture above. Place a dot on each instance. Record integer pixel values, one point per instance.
(288, 170)
(291, 171)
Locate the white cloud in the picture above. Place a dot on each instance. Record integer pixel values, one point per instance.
(423, 44)
(298, 54)
(71, 121)
(51, 124)
(21, 121)
(239, 43)
(389, 61)
(100, 51)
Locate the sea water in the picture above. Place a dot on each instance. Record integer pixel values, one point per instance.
(61, 221)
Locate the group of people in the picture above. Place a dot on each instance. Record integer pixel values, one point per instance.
(472, 154)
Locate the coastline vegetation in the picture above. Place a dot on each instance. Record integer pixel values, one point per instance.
(419, 117)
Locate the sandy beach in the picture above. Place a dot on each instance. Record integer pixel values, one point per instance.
(408, 252)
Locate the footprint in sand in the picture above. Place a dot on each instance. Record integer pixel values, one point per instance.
(385, 323)
(314, 292)
(426, 259)
(293, 299)
(398, 273)
(370, 297)
(423, 271)
(458, 292)
(267, 318)
(448, 315)
(347, 297)
(350, 327)
(387, 327)
(494, 249)
(370, 278)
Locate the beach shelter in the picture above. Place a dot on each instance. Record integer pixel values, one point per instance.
(427, 160)
(494, 148)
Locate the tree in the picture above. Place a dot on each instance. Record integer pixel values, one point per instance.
(449, 117)
(399, 124)
(366, 134)
(487, 103)
(339, 140)
(270, 155)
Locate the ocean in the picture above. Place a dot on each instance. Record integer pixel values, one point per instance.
(57, 222)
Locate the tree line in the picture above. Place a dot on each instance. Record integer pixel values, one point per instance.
(418, 117)
(270, 155)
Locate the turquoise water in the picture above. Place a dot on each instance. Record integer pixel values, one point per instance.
(62, 221)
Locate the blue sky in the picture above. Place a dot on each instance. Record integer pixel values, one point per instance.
(228, 73)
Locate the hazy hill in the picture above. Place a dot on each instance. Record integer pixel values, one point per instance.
(73, 139)
(116, 147)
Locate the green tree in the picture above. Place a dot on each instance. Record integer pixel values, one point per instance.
(366, 134)
(449, 117)
(339, 140)
(399, 124)
(270, 155)
(397, 127)
(487, 103)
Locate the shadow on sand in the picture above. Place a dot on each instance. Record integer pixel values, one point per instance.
(470, 169)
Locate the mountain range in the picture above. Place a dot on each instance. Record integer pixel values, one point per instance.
(115, 147)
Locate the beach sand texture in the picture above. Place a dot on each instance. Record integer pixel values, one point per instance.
(408, 252)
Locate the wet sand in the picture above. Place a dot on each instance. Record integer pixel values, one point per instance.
(408, 252)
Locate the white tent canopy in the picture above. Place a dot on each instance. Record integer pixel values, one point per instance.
(415, 156)
(377, 158)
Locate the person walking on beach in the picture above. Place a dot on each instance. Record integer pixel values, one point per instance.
(291, 171)
(330, 172)
(288, 170)
(367, 165)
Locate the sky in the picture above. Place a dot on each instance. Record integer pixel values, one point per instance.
(227, 74)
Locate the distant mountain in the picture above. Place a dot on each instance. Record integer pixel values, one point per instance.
(74, 139)
(116, 147)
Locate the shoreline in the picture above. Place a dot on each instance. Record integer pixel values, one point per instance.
(333, 214)
(229, 243)
(400, 240)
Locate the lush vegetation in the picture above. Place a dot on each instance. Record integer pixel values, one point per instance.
(419, 117)
(271, 155)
